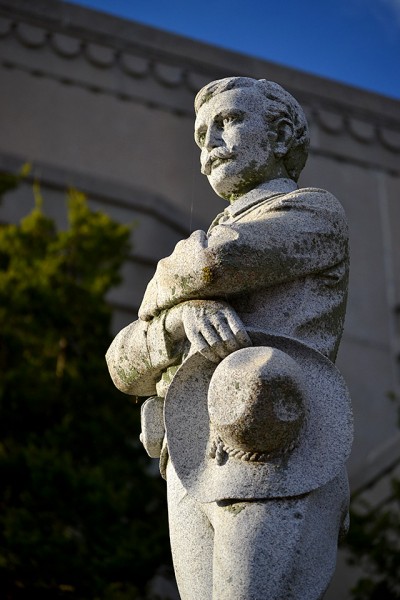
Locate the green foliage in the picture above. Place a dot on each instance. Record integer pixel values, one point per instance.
(10, 181)
(374, 545)
(79, 517)
(374, 541)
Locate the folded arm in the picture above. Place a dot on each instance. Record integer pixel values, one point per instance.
(296, 239)
(142, 351)
(139, 354)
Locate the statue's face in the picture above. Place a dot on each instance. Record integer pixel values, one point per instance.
(236, 146)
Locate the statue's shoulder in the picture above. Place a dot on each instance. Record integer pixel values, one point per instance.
(314, 200)
(314, 197)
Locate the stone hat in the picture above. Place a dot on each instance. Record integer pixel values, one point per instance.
(272, 420)
(256, 403)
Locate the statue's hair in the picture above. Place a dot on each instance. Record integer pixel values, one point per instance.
(280, 104)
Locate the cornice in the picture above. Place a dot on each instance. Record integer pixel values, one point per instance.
(141, 53)
(107, 192)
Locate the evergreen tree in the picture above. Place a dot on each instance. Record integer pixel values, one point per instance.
(374, 545)
(80, 515)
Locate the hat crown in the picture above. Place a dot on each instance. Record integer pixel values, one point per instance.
(256, 400)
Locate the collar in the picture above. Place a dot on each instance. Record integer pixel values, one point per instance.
(264, 191)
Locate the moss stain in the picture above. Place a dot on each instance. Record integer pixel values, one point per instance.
(207, 274)
(235, 508)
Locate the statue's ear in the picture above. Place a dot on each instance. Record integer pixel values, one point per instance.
(284, 137)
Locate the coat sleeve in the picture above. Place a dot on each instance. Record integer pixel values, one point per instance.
(138, 356)
(303, 234)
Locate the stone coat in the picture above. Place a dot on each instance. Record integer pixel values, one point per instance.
(278, 255)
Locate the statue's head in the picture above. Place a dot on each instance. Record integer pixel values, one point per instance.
(249, 131)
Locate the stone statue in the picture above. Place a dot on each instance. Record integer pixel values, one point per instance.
(234, 348)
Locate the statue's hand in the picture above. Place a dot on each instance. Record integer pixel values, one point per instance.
(148, 307)
(213, 329)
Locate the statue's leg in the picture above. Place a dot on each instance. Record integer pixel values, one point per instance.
(278, 549)
(192, 540)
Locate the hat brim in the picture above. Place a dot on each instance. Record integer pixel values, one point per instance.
(323, 448)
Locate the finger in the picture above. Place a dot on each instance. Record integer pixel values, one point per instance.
(230, 329)
(210, 355)
(193, 334)
(207, 328)
(198, 343)
(205, 350)
(218, 333)
(238, 330)
(221, 326)
(227, 342)
(231, 344)
(210, 330)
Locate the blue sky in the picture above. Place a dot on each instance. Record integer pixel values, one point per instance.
(353, 41)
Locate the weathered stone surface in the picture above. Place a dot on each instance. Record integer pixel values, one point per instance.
(281, 549)
(238, 330)
(132, 167)
(153, 431)
(212, 466)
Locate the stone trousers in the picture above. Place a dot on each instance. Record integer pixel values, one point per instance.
(273, 549)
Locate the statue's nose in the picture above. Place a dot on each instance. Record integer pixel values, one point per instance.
(213, 137)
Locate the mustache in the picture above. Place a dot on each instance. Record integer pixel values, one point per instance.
(217, 153)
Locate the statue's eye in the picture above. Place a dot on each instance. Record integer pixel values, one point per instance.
(234, 117)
